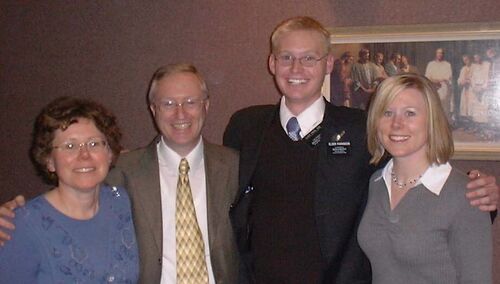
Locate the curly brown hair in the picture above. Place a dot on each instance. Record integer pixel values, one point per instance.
(60, 114)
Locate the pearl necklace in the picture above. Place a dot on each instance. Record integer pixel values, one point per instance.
(402, 185)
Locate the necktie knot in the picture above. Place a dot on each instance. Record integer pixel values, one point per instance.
(293, 129)
(183, 167)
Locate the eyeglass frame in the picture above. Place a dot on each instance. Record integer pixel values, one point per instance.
(100, 144)
(313, 61)
(188, 104)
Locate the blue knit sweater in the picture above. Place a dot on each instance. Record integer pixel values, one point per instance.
(49, 247)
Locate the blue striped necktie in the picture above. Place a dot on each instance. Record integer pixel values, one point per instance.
(293, 129)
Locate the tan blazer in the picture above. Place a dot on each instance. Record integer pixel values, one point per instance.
(138, 172)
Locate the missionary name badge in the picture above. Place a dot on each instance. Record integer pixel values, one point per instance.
(338, 147)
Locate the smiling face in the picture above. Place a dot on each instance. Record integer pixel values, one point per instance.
(83, 169)
(300, 85)
(402, 129)
(180, 126)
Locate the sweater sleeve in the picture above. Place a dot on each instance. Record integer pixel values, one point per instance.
(20, 257)
(471, 245)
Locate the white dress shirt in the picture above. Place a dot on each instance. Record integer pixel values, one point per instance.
(308, 119)
(169, 173)
(433, 178)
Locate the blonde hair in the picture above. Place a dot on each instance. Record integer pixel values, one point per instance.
(171, 69)
(440, 140)
(297, 24)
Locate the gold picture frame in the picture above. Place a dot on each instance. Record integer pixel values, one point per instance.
(475, 137)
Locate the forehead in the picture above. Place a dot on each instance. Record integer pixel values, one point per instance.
(300, 40)
(83, 128)
(409, 97)
(178, 85)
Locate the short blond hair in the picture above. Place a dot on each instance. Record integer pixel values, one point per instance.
(440, 140)
(171, 69)
(297, 24)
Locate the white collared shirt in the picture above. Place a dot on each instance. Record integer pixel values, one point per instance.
(308, 119)
(433, 178)
(169, 161)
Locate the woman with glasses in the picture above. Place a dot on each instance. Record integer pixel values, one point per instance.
(418, 226)
(80, 231)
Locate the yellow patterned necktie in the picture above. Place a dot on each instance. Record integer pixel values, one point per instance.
(190, 249)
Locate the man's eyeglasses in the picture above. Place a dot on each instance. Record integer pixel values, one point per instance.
(93, 146)
(286, 60)
(189, 104)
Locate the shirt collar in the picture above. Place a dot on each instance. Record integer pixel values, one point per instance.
(168, 158)
(433, 178)
(308, 119)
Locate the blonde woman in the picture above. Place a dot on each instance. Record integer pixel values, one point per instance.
(418, 226)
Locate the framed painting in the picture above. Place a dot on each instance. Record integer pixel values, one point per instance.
(462, 60)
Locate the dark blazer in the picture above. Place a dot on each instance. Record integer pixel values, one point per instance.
(340, 192)
(138, 172)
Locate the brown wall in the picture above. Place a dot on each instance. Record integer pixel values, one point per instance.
(108, 50)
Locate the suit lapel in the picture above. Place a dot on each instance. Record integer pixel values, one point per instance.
(251, 152)
(216, 179)
(330, 123)
(330, 129)
(218, 198)
(149, 196)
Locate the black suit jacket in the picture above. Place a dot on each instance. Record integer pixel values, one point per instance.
(341, 187)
